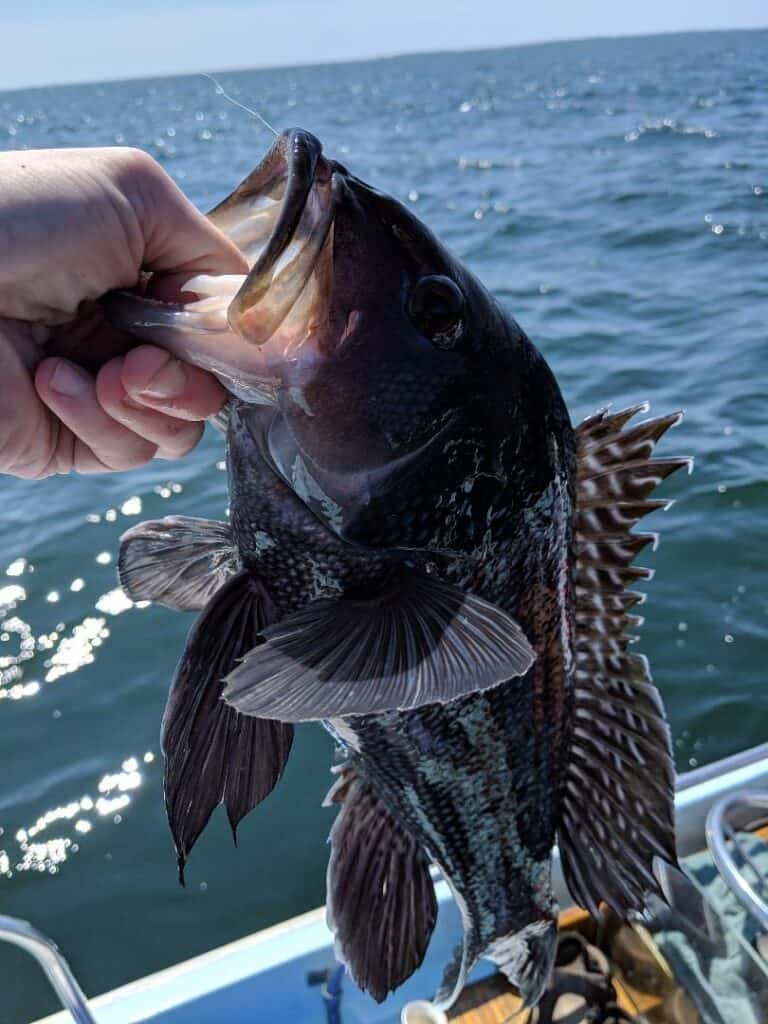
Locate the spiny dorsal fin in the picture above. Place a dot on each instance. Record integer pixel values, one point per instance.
(381, 900)
(618, 806)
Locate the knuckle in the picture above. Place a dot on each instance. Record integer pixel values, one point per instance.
(145, 181)
(127, 455)
(28, 457)
(134, 161)
(179, 442)
(180, 439)
(175, 430)
(146, 194)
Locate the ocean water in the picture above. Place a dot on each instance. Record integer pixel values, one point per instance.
(614, 195)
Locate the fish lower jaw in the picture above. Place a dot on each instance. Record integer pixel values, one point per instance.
(203, 332)
(213, 286)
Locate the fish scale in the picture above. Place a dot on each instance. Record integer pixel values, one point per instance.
(278, 539)
(466, 800)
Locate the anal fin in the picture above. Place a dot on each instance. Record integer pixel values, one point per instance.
(214, 755)
(526, 957)
(381, 900)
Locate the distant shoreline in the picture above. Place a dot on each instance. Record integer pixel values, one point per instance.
(389, 57)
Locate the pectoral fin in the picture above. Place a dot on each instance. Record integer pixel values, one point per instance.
(381, 901)
(178, 561)
(421, 642)
(212, 754)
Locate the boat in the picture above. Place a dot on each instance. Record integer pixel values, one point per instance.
(287, 974)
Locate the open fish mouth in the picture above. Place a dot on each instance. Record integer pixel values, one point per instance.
(246, 328)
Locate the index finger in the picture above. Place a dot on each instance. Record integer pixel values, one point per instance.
(178, 238)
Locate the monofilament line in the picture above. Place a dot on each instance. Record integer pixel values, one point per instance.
(220, 91)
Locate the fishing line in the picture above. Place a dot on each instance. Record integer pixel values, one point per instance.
(220, 91)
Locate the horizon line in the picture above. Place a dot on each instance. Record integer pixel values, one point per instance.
(383, 57)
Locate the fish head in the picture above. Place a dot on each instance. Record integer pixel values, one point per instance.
(379, 376)
(382, 356)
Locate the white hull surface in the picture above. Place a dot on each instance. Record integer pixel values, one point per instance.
(264, 977)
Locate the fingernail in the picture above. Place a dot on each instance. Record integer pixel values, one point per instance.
(169, 382)
(69, 380)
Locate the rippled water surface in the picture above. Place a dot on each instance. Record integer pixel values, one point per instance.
(615, 196)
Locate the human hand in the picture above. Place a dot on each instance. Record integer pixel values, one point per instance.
(75, 224)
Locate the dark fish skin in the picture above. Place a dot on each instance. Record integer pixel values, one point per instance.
(478, 781)
(426, 556)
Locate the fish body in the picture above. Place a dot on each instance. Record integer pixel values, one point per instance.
(492, 761)
(424, 555)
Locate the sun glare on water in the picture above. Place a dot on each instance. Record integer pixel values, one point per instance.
(49, 630)
(54, 836)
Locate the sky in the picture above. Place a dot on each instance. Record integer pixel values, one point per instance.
(49, 42)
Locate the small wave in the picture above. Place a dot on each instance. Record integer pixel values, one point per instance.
(465, 163)
(662, 235)
(669, 126)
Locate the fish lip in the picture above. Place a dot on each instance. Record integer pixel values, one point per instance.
(299, 156)
(276, 286)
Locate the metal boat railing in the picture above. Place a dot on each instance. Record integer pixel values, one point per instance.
(22, 934)
(719, 831)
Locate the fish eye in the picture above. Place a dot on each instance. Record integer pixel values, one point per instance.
(436, 309)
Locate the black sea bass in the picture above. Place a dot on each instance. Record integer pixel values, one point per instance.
(425, 556)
